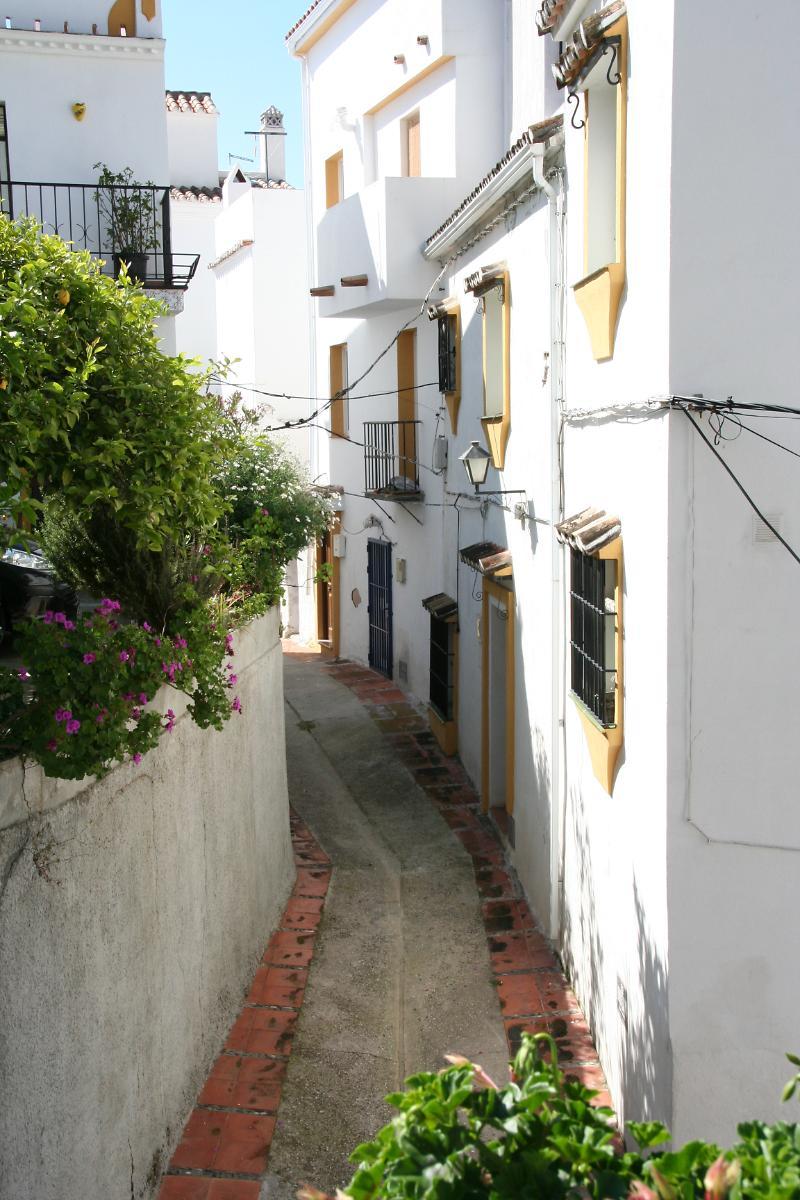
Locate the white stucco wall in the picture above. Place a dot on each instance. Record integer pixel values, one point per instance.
(734, 827)
(120, 975)
(192, 148)
(121, 81)
(193, 232)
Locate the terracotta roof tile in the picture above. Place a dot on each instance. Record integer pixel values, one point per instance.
(582, 49)
(549, 15)
(540, 132)
(305, 15)
(198, 195)
(196, 102)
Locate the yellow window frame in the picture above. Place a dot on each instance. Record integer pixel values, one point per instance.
(599, 293)
(605, 742)
(497, 429)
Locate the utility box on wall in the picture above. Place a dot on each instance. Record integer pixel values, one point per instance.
(339, 545)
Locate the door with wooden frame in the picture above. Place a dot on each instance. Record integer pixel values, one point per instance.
(412, 155)
(407, 403)
(325, 588)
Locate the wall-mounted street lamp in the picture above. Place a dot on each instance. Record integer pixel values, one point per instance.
(476, 463)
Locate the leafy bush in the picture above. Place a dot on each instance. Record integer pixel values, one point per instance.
(92, 410)
(459, 1136)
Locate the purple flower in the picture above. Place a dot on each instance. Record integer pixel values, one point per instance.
(123, 656)
(100, 717)
(72, 726)
(147, 628)
(128, 696)
(63, 714)
(24, 673)
(143, 698)
(265, 512)
(170, 725)
(158, 641)
(48, 618)
(137, 758)
(181, 643)
(136, 713)
(237, 704)
(60, 618)
(233, 680)
(109, 606)
(70, 626)
(52, 745)
(89, 658)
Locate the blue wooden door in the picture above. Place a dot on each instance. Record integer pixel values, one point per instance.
(379, 575)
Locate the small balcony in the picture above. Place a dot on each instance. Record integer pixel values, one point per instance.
(391, 469)
(83, 214)
(369, 245)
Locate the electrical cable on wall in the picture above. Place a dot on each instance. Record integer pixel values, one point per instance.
(741, 486)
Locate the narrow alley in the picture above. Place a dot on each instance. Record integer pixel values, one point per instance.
(421, 946)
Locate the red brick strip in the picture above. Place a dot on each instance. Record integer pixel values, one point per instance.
(224, 1150)
(532, 990)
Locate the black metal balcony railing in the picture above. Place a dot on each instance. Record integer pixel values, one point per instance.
(83, 214)
(391, 469)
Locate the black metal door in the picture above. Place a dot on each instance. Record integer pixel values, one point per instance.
(379, 609)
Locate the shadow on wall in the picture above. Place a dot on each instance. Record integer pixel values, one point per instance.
(630, 1011)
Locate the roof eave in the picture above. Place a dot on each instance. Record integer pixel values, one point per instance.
(504, 182)
(307, 26)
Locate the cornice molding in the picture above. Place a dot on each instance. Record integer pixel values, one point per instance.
(97, 46)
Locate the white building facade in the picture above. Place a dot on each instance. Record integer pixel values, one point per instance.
(82, 84)
(550, 184)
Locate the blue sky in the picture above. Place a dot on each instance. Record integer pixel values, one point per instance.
(235, 50)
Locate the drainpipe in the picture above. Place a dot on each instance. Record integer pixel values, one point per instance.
(558, 789)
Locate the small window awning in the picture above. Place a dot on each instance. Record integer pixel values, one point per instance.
(486, 278)
(582, 51)
(443, 309)
(441, 606)
(490, 559)
(589, 530)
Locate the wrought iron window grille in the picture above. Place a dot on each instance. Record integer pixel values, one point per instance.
(448, 339)
(442, 663)
(593, 635)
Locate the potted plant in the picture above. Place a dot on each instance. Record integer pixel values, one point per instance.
(127, 211)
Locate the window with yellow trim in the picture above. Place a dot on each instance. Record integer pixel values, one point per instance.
(490, 286)
(605, 89)
(334, 179)
(340, 408)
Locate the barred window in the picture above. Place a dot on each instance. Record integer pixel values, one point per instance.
(442, 667)
(593, 634)
(448, 337)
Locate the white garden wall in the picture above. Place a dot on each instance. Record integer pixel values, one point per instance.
(124, 957)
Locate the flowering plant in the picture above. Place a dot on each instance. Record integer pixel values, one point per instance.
(90, 686)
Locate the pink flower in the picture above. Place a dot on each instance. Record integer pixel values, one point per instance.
(265, 512)
(147, 628)
(137, 758)
(236, 705)
(143, 698)
(89, 658)
(181, 643)
(170, 725)
(24, 673)
(70, 626)
(48, 618)
(158, 641)
(72, 726)
(52, 745)
(60, 618)
(109, 606)
(63, 714)
(233, 680)
(123, 656)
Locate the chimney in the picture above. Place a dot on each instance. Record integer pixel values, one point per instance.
(273, 146)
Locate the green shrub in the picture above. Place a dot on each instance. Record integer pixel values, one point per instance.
(92, 410)
(458, 1136)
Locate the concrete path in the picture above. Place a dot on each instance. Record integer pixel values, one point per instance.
(401, 972)
(406, 936)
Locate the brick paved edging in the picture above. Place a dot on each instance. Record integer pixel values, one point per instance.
(532, 990)
(224, 1149)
